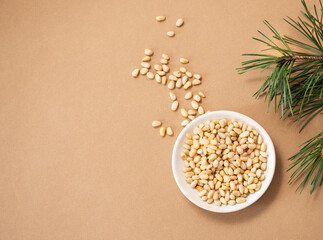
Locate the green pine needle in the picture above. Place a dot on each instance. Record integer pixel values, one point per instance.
(295, 84)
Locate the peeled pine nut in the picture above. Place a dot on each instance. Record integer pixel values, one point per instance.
(195, 105)
(158, 78)
(201, 110)
(146, 59)
(174, 106)
(187, 85)
(184, 79)
(191, 112)
(179, 22)
(156, 123)
(177, 74)
(202, 94)
(184, 112)
(135, 73)
(189, 74)
(172, 96)
(196, 82)
(162, 131)
(160, 18)
(165, 56)
(197, 98)
(169, 131)
(188, 95)
(161, 73)
(165, 68)
(184, 60)
(148, 52)
(170, 34)
(197, 76)
(150, 75)
(182, 69)
(158, 67)
(171, 85)
(143, 71)
(184, 123)
(164, 80)
(179, 83)
(163, 61)
(191, 117)
(172, 77)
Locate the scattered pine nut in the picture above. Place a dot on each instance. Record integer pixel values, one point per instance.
(161, 73)
(182, 69)
(184, 79)
(196, 82)
(189, 74)
(187, 85)
(145, 65)
(179, 83)
(163, 61)
(165, 56)
(171, 85)
(191, 117)
(135, 73)
(188, 95)
(174, 106)
(170, 34)
(158, 78)
(160, 18)
(179, 22)
(169, 131)
(201, 110)
(156, 123)
(185, 122)
(158, 67)
(197, 76)
(197, 98)
(143, 71)
(177, 74)
(172, 96)
(150, 75)
(191, 112)
(184, 60)
(148, 52)
(164, 80)
(172, 77)
(184, 112)
(162, 131)
(202, 94)
(165, 68)
(146, 59)
(195, 105)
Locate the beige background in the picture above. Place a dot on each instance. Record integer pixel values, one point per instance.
(79, 158)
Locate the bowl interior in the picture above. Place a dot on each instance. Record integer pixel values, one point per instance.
(178, 163)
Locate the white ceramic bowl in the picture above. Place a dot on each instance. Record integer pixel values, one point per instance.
(178, 163)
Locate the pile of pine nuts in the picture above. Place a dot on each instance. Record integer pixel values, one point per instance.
(225, 160)
(181, 78)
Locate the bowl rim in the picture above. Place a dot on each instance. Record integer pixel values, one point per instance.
(247, 120)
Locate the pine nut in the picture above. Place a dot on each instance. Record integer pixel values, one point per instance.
(179, 83)
(158, 78)
(191, 117)
(179, 22)
(160, 18)
(184, 112)
(150, 75)
(135, 73)
(263, 147)
(165, 68)
(184, 79)
(164, 80)
(161, 73)
(187, 85)
(172, 96)
(171, 34)
(169, 131)
(195, 105)
(143, 71)
(172, 77)
(162, 131)
(174, 106)
(171, 85)
(197, 98)
(156, 123)
(202, 94)
(188, 95)
(191, 112)
(201, 110)
(165, 56)
(189, 74)
(184, 60)
(177, 74)
(196, 82)
(182, 69)
(146, 59)
(240, 200)
(197, 76)
(148, 52)
(184, 123)
(158, 67)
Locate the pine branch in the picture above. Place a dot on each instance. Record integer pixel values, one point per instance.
(295, 84)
